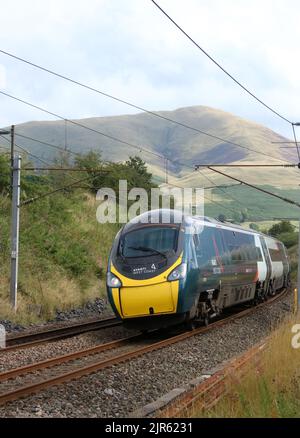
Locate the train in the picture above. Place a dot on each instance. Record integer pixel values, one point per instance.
(189, 270)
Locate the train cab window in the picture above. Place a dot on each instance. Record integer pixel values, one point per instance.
(149, 241)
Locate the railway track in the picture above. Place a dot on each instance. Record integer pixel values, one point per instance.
(54, 334)
(20, 382)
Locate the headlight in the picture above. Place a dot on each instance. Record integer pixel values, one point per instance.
(178, 273)
(112, 280)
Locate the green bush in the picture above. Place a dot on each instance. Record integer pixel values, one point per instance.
(282, 227)
(289, 239)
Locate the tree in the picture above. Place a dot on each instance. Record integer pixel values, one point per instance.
(222, 217)
(137, 170)
(88, 163)
(281, 227)
(289, 239)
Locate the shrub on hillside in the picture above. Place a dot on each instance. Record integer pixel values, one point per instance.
(289, 239)
(280, 228)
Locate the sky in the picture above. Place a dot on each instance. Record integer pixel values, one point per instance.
(129, 49)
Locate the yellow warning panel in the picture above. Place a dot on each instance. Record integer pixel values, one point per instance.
(152, 299)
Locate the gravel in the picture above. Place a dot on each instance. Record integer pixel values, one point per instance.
(26, 356)
(118, 391)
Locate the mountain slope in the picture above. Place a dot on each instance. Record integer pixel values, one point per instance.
(160, 136)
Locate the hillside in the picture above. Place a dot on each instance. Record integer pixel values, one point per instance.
(175, 142)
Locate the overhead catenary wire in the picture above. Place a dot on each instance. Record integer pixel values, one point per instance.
(152, 113)
(91, 129)
(140, 148)
(102, 170)
(65, 169)
(215, 202)
(27, 152)
(39, 159)
(220, 66)
(205, 197)
(52, 192)
(73, 122)
(197, 166)
(60, 148)
(233, 78)
(106, 135)
(289, 201)
(222, 190)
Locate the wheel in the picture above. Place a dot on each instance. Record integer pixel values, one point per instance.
(190, 325)
(272, 291)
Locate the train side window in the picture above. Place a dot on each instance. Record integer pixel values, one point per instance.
(207, 247)
(275, 255)
(240, 246)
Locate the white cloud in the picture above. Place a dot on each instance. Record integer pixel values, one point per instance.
(128, 48)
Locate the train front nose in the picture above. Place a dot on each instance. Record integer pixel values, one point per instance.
(150, 299)
(156, 295)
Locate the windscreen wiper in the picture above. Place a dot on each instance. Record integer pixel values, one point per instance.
(146, 248)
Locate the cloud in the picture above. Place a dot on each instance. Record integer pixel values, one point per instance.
(131, 50)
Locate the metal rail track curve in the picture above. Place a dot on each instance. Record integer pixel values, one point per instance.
(32, 339)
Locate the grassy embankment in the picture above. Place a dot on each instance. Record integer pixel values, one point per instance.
(63, 255)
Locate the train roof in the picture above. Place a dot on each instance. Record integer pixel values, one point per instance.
(176, 217)
(231, 225)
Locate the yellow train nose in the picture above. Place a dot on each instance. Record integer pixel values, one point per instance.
(148, 300)
(152, 296)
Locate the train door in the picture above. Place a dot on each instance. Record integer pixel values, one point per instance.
(262, 269)
(268, 263)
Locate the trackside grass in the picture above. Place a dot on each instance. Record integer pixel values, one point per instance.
(270, 389)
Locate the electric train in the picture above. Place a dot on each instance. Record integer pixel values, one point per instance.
(163, 270)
